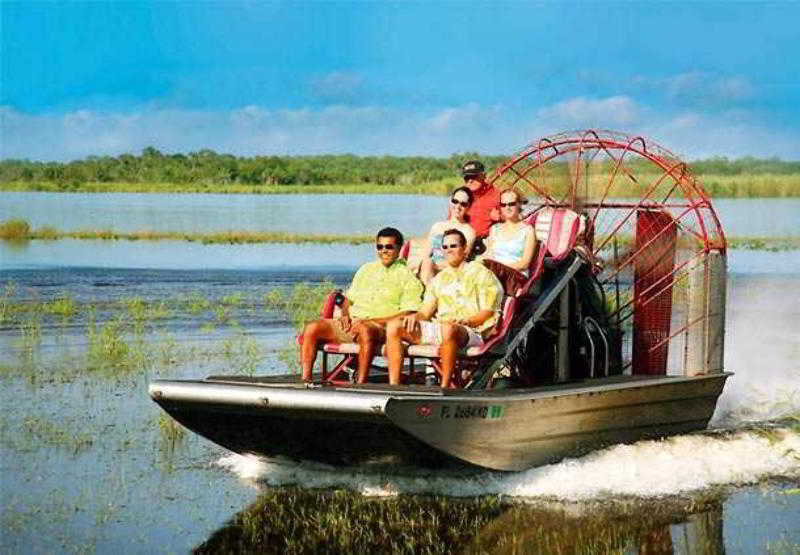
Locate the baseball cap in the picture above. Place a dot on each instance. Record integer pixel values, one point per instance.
(472, 167)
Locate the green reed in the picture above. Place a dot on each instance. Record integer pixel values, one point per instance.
(302, 305)
(15, 230)
(131, 336)
(294, 520)
(20, 231)
(171, 432)
(774, 244)
(35, 432)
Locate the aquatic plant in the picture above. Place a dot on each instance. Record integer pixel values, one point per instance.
(171, 432)
(243, 353)
(63, 305)
(196, 303)
(30, 330)
(624, 241)
(7, 306)
(36, 432)
(107, 347)
(301, 304)
(234, 299)
(15, 230)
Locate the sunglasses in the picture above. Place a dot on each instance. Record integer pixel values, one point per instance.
(452, 246)
(507, 204)
(465, 204)
(385, 247)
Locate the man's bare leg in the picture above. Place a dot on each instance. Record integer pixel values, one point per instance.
(314, 333)
(454, 337)
(395, 351)
(368, 335)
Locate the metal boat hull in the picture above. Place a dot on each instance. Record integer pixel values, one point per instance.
(503, 430)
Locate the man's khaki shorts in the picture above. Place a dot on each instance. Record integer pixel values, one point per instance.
(348, 336)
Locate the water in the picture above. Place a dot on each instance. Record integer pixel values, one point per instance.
(412, 214)
(89, 464)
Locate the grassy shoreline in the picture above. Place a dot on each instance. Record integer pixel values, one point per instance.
(20, 231)
(766, 185)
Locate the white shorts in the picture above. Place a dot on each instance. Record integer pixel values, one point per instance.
(432, 334)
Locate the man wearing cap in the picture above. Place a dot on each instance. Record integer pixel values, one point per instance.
(483, 212)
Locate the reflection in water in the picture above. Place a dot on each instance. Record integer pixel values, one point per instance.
(303, 521)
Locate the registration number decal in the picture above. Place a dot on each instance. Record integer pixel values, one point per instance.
(486, 412)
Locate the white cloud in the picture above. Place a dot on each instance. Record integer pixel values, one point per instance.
(733, 133)
(254, 130)
(615, 111)
(700, 88)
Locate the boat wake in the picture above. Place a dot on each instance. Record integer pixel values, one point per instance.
(673, 466)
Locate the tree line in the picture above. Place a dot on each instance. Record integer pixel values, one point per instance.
(207, 166)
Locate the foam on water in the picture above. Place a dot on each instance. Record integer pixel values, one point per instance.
(762, 348)
(673, 466)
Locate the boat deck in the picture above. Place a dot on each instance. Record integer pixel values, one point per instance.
(585, 385)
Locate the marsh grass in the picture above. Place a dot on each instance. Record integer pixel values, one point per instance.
(171, 432)
(108, 350)
(196, 303)
(7, 305)
(301, 305)
(132, 336)
(773, 244)
(30, 334)
(64, 306)
(242, 353)
(35, 433)
(293, 520)
(20, 231)
(15, 230)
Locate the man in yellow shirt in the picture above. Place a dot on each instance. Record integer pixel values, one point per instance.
(466, 298)
(381, 290)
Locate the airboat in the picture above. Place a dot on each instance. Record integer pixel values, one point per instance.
(617, 336)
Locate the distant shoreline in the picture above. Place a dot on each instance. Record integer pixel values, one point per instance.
(207, 171)
(20, 231)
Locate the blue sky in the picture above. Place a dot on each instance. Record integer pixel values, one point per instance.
(429, 78)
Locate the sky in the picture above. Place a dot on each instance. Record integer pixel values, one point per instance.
(400, 78)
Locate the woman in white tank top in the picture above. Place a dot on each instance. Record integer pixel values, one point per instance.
(512, 242)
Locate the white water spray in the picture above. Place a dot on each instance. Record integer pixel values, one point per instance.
(646, 469)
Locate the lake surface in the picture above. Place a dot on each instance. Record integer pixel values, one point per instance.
(412, 214)
(90, 464)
